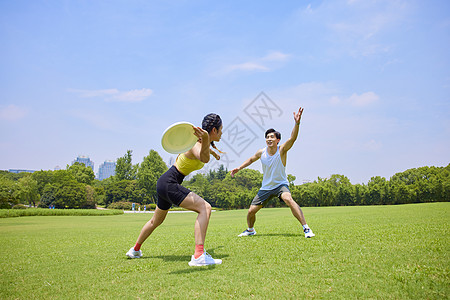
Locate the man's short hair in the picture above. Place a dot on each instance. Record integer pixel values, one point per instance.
(277, 134)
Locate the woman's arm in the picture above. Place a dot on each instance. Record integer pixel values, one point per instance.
(200, 150)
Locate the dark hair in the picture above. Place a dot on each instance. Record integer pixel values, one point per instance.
(211, 121)
(277, 134)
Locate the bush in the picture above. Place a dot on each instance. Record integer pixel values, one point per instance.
(10, 213)
(19, 206)
(124, 205)
(89, 204)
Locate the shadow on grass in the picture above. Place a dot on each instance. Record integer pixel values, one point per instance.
(276, 234)
(186, 259)
(194, 269)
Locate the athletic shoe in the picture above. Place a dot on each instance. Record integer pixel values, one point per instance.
(204, 260)
(133, 253)
(308, 233)
(247, 233)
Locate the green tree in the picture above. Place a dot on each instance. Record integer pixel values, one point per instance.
(376, 191)
(71, 194)
(123, 190)
(7, 192)
(43, 178)
(82, 173)
(124, 167)
(27, 190)
(90, 198)
(151, 168)
(291, 179)
(48, 196)
(221, 173)
(249, 178)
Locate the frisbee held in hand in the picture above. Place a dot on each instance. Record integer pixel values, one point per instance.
(178, 138)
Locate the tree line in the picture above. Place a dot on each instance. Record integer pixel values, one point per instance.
(417, 185)
(76, 187)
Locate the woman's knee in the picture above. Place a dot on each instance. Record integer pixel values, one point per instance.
(207, 208)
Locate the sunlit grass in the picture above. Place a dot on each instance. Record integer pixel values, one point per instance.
(384, 252)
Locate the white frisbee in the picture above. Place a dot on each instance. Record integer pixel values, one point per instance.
(178, 138)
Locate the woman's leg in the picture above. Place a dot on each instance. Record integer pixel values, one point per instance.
(195, 203)
(150, 226)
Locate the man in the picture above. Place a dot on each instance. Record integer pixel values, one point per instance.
(275, 183)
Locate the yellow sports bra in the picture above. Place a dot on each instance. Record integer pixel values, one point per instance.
(186, 165)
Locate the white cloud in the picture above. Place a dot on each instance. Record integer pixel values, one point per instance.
(260, 64)
(276, 56)
(363, 99)
(335, 100)
(361, 31)
(114, 95)
(12, 113)
(132, 96)
(248, 66)
(94, 93)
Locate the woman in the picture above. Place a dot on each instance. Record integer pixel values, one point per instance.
(171, 192)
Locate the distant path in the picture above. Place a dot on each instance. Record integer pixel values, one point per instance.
(152, 211)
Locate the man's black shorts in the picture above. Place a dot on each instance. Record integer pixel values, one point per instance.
(263, 195)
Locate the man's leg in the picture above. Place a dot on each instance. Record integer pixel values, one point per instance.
(295, 208)
(297, 212)
(251, 215)
(251, 218)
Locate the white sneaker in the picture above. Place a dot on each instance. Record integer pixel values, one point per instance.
(204, 260)
(308, 233)
(247, 233)
(134, 254)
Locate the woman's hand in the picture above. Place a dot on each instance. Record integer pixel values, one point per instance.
(200, 133)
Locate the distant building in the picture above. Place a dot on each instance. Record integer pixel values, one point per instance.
(107, 169)
(20, 171)
(171, 162)
(84, 160)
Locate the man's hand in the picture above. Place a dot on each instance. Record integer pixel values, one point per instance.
(234, 171)
(298, 115)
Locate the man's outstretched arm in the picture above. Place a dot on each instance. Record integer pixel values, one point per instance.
(290, 142)
(247, 163)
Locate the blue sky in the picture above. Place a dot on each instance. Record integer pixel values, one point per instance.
(98, 78)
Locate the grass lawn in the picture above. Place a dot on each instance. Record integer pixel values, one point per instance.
(383, 252)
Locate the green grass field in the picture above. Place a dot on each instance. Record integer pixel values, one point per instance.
(383, 252)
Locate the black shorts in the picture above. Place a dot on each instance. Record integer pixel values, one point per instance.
(169, 189)
(263, 195)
